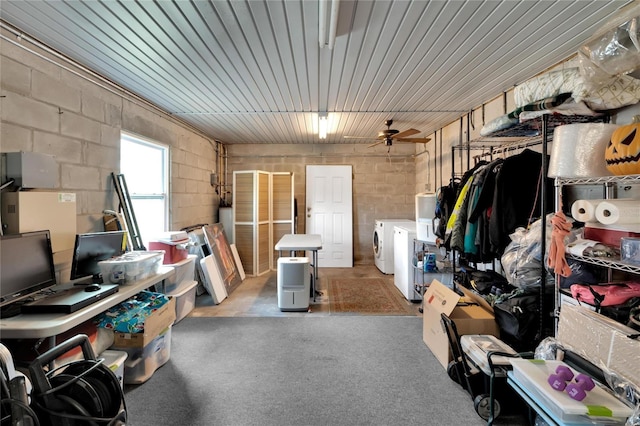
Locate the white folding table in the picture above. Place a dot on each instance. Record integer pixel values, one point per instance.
(35, 326)
(306, 242)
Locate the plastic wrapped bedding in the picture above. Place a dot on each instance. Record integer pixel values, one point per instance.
(618, 92)
(621, 91)
(567, 108)
(549, 84)
(613, 50)
(615, 92)
(509, 120)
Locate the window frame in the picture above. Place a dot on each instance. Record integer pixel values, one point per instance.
(127, 137)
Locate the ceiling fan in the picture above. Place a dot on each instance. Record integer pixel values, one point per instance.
(390, 135)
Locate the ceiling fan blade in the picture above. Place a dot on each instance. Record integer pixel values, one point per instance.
(357, 137)
(414, 140)
(374, 144)
(405, 133)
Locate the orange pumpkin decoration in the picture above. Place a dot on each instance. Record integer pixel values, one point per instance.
(622, 155)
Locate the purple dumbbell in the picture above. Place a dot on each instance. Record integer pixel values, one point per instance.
(578, 389)
(559, 380)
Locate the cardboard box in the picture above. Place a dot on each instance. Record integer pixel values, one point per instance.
(466, 313)
(154, 324)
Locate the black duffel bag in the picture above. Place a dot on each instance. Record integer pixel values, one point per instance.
(483, 282)
(518, 319)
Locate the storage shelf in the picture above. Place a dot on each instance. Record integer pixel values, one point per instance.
(527, 133)
(607, 263)
(612, 264)
(629, 179)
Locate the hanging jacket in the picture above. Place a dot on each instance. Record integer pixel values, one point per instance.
(516, 197)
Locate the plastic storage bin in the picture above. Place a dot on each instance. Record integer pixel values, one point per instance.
(630, 250)
(183, 273)
(477, 347)
(115, 361)
(185, 299)
(131, 266)
(141, 363)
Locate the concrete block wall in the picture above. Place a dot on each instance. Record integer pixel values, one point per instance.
(383, 180)
(51, 107)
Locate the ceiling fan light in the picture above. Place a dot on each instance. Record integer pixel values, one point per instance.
(322, 126)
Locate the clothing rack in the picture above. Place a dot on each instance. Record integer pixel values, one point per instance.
(535, 132)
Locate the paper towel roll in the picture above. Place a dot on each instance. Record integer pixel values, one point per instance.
(584, 210)
(618, 211)
(578, 150)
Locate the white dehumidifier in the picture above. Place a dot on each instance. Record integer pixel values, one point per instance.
(294, 283)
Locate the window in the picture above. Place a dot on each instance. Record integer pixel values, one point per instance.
(145, 166)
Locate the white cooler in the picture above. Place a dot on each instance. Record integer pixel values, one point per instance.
(294, 283)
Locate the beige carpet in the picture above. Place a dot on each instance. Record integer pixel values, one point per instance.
(366, 296)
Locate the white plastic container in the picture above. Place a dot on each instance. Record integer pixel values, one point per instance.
(141, 363)
(183, 275)
(131, 267)
(115, 361)
(425, 213)
(477, 347)
(185, 299)
(532, 378)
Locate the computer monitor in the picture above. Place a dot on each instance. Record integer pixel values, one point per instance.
(27, 266)
(93, 247)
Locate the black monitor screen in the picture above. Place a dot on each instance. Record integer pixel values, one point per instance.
(26, 264)
(94, 247)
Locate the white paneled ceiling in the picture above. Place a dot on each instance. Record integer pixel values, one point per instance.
(254, 72)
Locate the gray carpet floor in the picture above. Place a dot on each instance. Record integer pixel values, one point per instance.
(336, 370)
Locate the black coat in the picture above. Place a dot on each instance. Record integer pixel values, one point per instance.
(516, 197)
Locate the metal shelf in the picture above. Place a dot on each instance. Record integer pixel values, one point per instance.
(527, 133)
(607, 263)
(533, 127)
(629, 179)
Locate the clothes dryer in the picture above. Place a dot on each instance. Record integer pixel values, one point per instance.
(383, 243)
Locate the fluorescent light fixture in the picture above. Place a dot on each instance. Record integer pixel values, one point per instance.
(322, 126)
(328, 14)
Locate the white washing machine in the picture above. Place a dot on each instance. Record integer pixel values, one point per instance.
(383, 242)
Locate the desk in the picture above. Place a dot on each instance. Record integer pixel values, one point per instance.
(36, 326)
(306, 242)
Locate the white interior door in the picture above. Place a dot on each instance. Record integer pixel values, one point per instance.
(329, 213)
